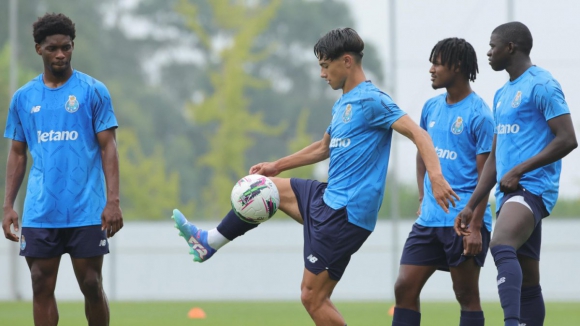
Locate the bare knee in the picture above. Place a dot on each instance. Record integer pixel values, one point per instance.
(467, 297)
(42, 283)
(91, 286)
(310, 299)
(407, 293)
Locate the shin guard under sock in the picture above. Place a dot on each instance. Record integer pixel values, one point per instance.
(509, 282)
(232, 226)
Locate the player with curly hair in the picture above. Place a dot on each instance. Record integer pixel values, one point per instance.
(65, 119)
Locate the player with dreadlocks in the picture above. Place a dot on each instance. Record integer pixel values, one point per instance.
(461, 126)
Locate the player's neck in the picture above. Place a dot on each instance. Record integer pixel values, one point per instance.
(457, 93)
(353, 80)
(53, 81)
(518, 67)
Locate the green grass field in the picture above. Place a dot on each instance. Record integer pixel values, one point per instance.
(268, 313)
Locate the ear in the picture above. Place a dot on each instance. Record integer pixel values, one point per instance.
(348, 60)
(37, 48)
(457, 68)
(511, 47)
(73, 44)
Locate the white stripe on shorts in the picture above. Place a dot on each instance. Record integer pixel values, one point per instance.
(519, 199)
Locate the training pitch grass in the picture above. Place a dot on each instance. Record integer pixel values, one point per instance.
(269, 313)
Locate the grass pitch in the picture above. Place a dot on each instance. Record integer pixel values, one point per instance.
(269, 313)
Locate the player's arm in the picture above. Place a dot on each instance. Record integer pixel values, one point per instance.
(420, 170)
(111, 218)
(562, 144)
(472, 244)
(486, 181)
(15, 170)
(313, 153)
(441, 190)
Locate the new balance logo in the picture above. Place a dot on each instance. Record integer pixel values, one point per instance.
(501, 281)
(103, 243)
(523, 324)
(197, 247)
(312, 259)
(35, 109)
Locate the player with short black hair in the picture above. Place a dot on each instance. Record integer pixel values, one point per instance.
(338, 216)
(65, 119)
(533, 132)
(461, 126)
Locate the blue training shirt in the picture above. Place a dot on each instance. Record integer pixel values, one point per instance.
(66, 184)
(360, 145)
(522, 108)
(460, 132)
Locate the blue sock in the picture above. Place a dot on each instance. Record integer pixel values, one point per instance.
(509, 282)
(406, 317)
(471, 318)
(533, 310)
(232, 226)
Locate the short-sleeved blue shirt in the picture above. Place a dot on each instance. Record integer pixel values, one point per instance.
(66, 185)
(522, 108)
(360, 146)
(460, 132)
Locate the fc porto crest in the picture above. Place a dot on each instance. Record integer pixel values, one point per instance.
(347, 116)
(72, 105)
(517, 100)
(22, 242)
(457, 126)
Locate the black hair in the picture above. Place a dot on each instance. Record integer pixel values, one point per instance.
(456, 52)
(517, 33)
(338, 42)
(52, 24)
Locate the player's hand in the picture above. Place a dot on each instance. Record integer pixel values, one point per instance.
(472, 243)
(462, 222)
(510, 181)
(443, 193)
(419, 209)
(10, 218)
(266, 169)
(111, 219)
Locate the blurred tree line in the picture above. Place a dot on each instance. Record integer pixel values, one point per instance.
(202, 89)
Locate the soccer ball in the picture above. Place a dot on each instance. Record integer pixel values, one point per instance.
(255, 198)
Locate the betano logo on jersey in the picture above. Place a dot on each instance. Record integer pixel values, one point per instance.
(56, 135)
(445, 153)
(503, 129)
(339, 142)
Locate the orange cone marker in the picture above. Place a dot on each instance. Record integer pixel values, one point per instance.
(196, 313)
(392, 311)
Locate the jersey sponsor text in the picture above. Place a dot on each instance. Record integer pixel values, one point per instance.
(503, 129)
(445, 153)
(56, 135)
(339, 142)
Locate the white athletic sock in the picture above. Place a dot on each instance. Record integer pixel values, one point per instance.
(215, 239)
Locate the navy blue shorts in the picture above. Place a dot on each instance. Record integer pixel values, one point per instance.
(439, 246)
(329, 238)
(531, 248)
(78, 242)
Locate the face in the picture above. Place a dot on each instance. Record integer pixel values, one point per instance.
(442, 76)
(335, 71)
(499, 53)
(56, 52)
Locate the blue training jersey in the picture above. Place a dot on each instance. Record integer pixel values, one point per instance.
(66, 184)
(360, 145)
(460, 132)
(522, 108)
